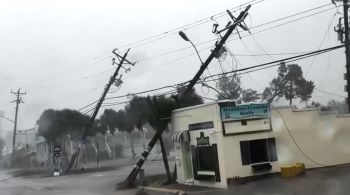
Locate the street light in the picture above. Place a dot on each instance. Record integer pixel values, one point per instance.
(184, 37)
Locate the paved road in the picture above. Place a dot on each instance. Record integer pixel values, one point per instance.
(326, 181)
(84, 184)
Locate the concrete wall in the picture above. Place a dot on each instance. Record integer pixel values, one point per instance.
(320, 139)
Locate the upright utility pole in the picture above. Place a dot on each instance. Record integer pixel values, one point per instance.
(218, 47)
(18, 101)
(343, 37)
(347, 51)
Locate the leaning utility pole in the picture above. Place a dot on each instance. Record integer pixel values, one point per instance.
(343, 33)
(214, 53)
(18, 101)
(122, 61)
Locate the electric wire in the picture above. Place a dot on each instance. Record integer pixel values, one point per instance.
(329, 55)
(187, 26)
(142, 42)
(67, 72)
(257, 60)
(240, 71)
(289, 59)
(296, 144)
(322, 6)
(242, 36)
(324, 37)
(241, 65)
(257, 26)
(182, 57)
(329, 93)
(288, 22)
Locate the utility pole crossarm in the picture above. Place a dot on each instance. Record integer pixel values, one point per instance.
(218, 46)
(120, 57)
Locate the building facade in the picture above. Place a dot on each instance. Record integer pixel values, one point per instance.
(220, 141)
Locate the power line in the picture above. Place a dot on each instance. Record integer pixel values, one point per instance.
(87, 105)
(188, 26)
(108, 104)
(147, 91)
(329, 93)
(261, 47)
(85, 77)
(290, 59)
(329, 57)
(263, 30)
(246, 70)
(133, 94)
(180, 58)
(147, 40)
(324, 37)
(253, 27)
(292, 15)
(285, 23)
(68, 71)
(307, 16)
(240, 64)
(254, 56)
(256, 32)
(272, 54)
(296, 144)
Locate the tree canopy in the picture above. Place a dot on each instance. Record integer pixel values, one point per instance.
(161, 108)
(290, 84)
(230, 87)
(54, 124)
(138, 110)
(189, 99)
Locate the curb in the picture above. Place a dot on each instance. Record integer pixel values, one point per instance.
(161, 190)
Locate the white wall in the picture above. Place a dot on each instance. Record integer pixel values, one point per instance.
(322, 137)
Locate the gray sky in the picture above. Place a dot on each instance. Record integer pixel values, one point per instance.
(56, 50)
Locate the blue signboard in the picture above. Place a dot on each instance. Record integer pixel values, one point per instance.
(245, 111)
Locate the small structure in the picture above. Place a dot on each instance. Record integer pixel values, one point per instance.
(221, 141)
(42, 150)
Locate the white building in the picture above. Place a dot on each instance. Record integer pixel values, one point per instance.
(220, 141)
